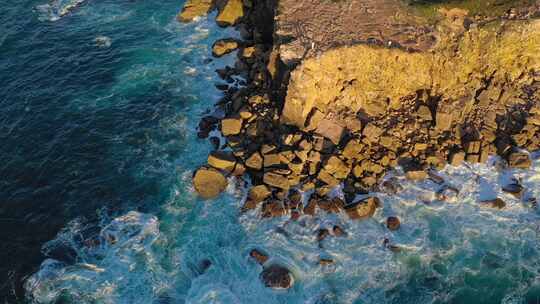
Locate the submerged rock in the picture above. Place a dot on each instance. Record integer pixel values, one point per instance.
(277, 277)
(209, 182)
(393, 223)
(258, 256)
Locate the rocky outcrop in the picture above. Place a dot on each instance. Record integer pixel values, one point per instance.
(231, 13)
(195, 8)
(223, 47)
(327, 104)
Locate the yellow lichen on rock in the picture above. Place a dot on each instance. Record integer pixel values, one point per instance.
(372, 79)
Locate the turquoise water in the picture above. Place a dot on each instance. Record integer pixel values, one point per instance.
(100, 148)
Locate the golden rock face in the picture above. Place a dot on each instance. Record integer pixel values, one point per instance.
(193, 9)
(374, 79)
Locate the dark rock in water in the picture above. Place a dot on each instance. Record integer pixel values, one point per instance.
(338, 231)
(205, 264)
(391, 186)
(393, 223)
(258, 256)
(390, 246)
(215, 142)
(222, 86)
(277, 277)
(514, 188)
(322, 234)
(326, 262)
(207, 124)
(494, 203)
(273, 208)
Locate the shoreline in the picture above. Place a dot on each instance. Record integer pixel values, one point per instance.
(290, 142)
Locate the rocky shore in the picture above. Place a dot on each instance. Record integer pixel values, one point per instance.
(337, 93)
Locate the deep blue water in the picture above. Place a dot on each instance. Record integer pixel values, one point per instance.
(83, 126)
(98, 116)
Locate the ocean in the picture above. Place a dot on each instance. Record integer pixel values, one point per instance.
(100, 102)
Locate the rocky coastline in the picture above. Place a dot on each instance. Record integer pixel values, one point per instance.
(335, 105)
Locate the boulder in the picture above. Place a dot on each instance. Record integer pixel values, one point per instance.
(372, 132)
(519, 160)
(273, 208)
(494, 203)
(473, 147)
(457, 158)
(416, 175)
(331, 130)
(255, 161)
(322, 234)
(352, 149)
(311, 207)
(362, 209)
(444, 121)
(222, 160)
(193, 9)
(248, 52)
(337, 167)
(209, 182)
(231, 126)
(392, 223)
(259, 193)
(514, 188)
(338, 231)
(276, 180)
(231, 13)
(223, 47)
(277, 277)
(326, 262)
(271, 160)
(258, 256)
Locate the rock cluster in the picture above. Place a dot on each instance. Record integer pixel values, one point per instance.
(348, 115)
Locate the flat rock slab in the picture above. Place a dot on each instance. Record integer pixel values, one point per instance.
(317, 26)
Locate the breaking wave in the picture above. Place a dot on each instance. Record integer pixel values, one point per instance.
(447, 251)
(56, 9)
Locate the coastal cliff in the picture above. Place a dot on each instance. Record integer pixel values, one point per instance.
(337, 93)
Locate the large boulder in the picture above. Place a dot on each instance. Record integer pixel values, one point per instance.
(193, 9)
(224, 46)
(209, 182)
(231, 126)
(276, 180)
(231, 13)
(363, 209)
(222, 160)
(277, 277)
